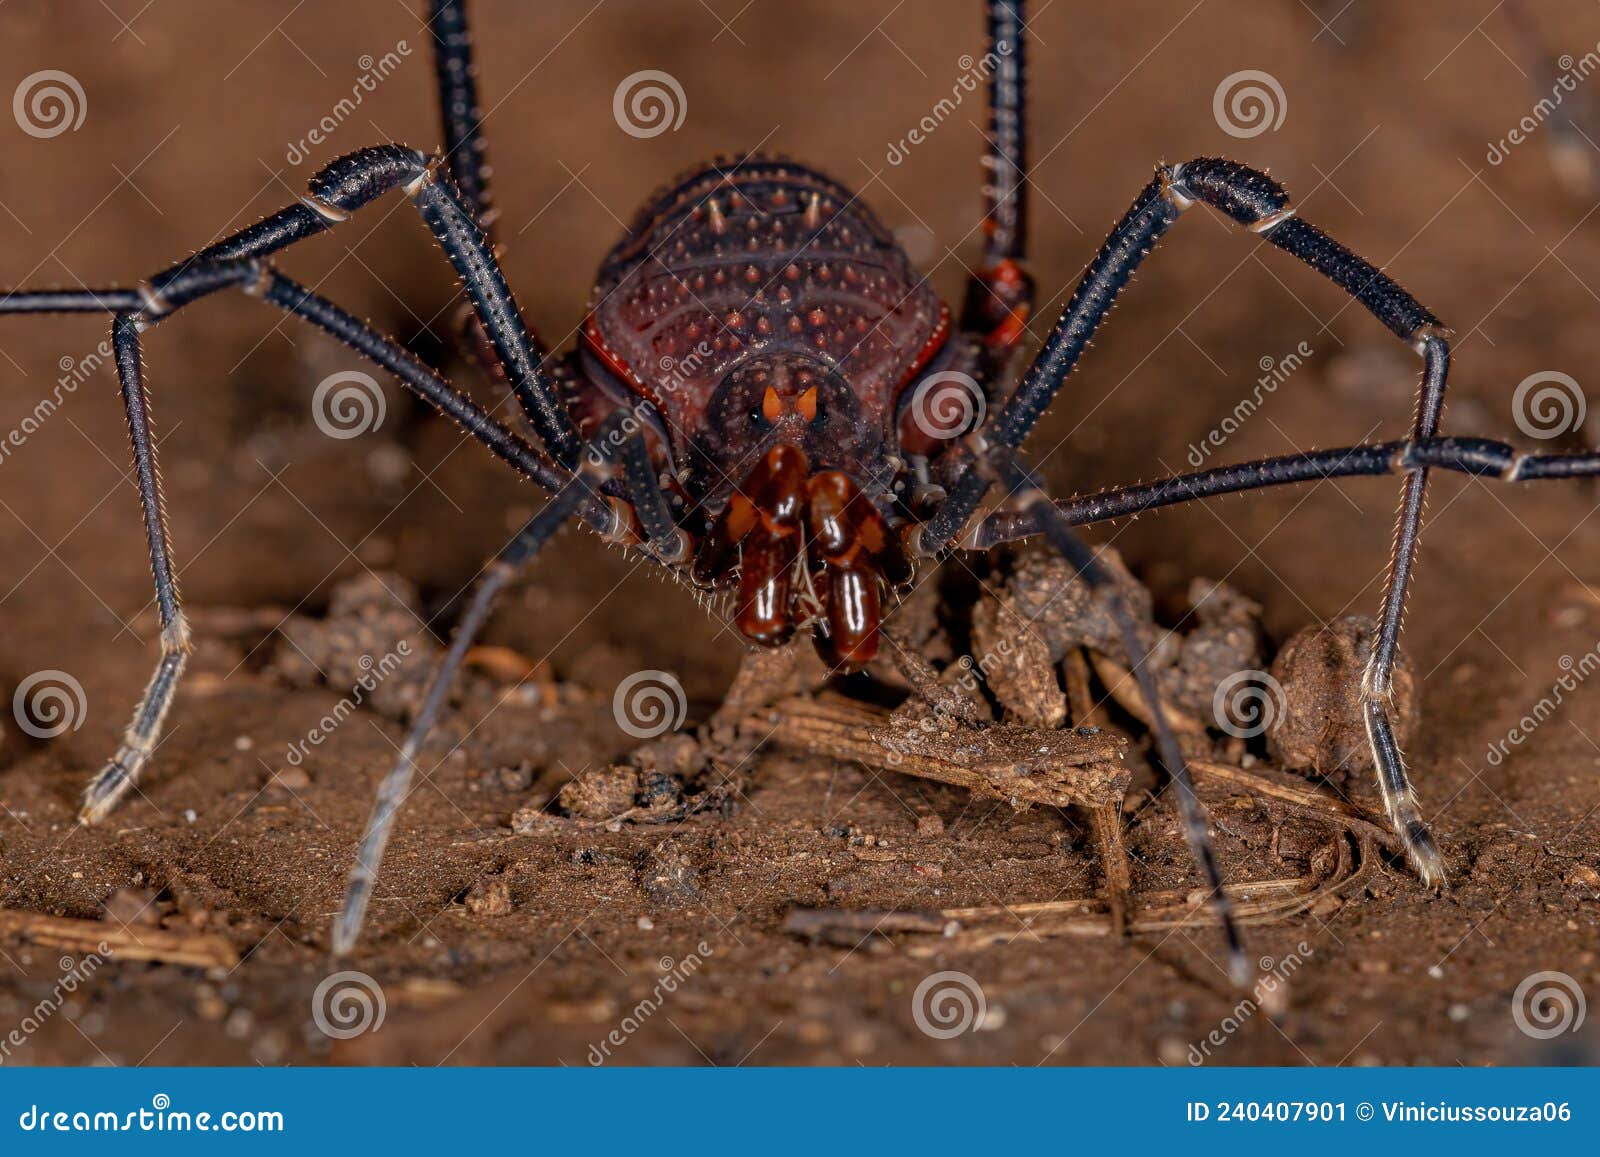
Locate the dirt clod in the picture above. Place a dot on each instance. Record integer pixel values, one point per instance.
(372, 639)
(489, 897)
(1318, 726)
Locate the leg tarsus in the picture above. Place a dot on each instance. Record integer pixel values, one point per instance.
(1399, 798)
(121, 773)
(502, 570)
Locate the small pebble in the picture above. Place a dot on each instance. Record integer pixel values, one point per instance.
(489, 898)
(1173, 1052)
(1583, 876)
(291, 778)
(239, 1023)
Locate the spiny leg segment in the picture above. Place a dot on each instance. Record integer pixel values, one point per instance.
(611, 440)
(335, 193)
(1260, 204)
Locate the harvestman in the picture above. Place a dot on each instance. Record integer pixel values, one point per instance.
(743, 404)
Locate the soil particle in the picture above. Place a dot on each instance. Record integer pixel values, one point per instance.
(1319, 727)
(490, 896)
(372, 637)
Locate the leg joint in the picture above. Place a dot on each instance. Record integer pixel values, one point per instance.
(362, 176)
(1251, 198)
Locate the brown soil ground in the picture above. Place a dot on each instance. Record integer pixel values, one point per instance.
(190, 117)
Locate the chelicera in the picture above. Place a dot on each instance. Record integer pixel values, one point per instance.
(744, 404)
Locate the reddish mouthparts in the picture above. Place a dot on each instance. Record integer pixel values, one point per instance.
(781, 512)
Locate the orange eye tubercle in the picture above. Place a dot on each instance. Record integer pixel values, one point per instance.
(808, 404)
(771, 405)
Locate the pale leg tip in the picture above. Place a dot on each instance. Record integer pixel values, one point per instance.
(1425, 857)
(1240, 971)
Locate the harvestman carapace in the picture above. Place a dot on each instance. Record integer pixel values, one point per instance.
(741, 406)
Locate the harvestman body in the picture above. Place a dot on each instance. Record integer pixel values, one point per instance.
(741, 404)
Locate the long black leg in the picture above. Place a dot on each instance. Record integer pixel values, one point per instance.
(1476, 456)
(1000, 295)
(138, 309)
(610, 442)
(397, 784)
(465, 159)
(660, 531)
(354, 181)
(1046, 520)
(383, 351)
(458, 106)
(1256, 201)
